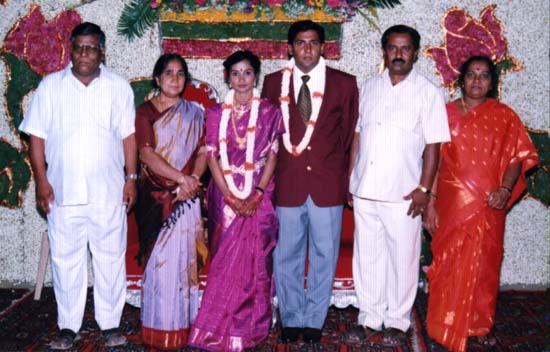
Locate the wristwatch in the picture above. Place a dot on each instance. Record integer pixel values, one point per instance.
(131, 177)
(423, 189)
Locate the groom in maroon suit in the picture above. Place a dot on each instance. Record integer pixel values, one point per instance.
(320, 109)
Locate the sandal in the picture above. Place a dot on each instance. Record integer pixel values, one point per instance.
(113, 337)
(358, 333)
(394, 337)
(487, 340)
(64, 340)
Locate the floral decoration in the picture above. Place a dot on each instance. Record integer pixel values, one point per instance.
(464, 37)
(139, 15)
(292, 8)
(44, 45)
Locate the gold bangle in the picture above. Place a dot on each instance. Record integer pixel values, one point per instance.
(195, 176)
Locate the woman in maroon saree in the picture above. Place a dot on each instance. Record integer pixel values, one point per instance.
(169, 132)
(482, 173)
(242, 142)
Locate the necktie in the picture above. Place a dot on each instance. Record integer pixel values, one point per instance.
(304, 99)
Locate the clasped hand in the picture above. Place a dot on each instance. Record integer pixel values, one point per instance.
(246, 207)
(188, 188)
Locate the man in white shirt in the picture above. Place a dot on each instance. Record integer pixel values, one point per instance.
(81, 128)
(395, 155)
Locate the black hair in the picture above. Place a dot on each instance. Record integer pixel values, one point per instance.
(302, 26)
(402, 29)
(88, 28)
(239, 56)
(492, 93)
(163, 61)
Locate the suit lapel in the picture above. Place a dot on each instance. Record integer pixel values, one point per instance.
(327, 93)
(293, 107)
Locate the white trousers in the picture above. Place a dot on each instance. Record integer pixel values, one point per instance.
(386, 255)
(71, 231)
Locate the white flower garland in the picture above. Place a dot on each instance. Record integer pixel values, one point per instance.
(250, 138)
(317, 100)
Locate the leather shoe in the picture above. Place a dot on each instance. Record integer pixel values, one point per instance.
(312, 335)
(290, 334)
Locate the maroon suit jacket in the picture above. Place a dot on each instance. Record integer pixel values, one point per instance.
(321, 171)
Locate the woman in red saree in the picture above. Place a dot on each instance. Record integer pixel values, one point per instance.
(482, 173)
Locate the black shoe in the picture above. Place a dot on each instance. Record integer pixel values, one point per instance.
(290, 334)
(312, 335)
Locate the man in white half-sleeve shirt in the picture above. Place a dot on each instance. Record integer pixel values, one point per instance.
(395, 155)
(81, 127)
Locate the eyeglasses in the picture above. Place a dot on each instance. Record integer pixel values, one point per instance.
(89, 49)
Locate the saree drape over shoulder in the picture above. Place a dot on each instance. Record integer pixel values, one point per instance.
(467, 247)
(170, 280)
(235, 311)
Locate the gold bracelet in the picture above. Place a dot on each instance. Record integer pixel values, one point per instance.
(195, 176)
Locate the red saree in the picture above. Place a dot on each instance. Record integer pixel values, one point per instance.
(468, 244)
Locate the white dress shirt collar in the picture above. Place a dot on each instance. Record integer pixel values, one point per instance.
(315, 78)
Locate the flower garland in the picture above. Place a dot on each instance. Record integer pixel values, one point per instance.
(250, 138)
(317, 100)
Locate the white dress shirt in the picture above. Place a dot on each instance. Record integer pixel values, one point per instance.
(314, 83)
(395, 124)
(83, 128)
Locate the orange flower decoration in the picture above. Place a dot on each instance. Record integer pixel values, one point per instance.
(465, 37)
(284, 99)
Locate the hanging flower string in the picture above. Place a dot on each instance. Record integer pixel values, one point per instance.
(317, 100)
(250, 138)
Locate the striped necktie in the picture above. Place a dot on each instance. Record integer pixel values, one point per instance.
(304, 99)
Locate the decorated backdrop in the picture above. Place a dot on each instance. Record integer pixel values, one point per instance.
(34, 42)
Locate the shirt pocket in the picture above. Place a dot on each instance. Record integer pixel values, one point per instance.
(102, 112)
(406, 118)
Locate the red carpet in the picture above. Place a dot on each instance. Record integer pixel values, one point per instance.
(30, 325)
(27, 325)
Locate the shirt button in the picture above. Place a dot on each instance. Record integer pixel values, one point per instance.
(378, 123)
(372, 162)
(308, 168)
(308, 147)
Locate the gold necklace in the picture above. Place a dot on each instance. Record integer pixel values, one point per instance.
(240, 140)
(241, 109)
(467, 107)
